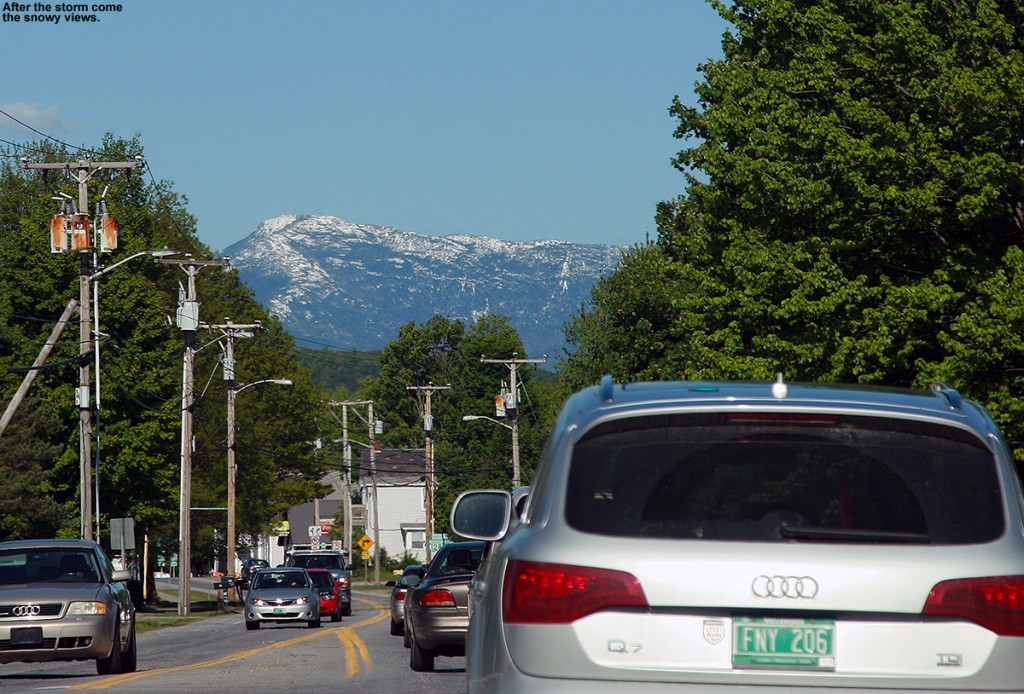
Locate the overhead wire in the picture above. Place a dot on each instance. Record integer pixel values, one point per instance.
(48, 137)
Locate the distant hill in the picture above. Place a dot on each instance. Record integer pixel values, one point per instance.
(332, 368)
(353, 285)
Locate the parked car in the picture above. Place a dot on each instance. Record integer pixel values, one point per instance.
(706, 535)
(249, 566)
(63, 600)
(411, 575)
(436, 609)
(335, 563)
(328, 589)
(282, 595)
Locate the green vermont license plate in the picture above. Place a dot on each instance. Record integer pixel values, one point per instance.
(280, 610)
(800, 644)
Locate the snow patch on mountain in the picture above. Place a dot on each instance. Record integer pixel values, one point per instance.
(353, 285)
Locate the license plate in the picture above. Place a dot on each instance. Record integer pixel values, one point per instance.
(797, 644)
(26, 636)
(280, 610)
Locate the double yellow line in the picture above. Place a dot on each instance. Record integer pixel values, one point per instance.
(355, 649)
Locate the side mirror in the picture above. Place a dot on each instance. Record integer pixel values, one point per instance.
(482, 514)
(120, 576)
(390, 584)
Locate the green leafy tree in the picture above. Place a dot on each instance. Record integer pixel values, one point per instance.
(853, 209)
(466, 454)
(139, 420)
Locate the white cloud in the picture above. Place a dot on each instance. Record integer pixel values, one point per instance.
(47, 120)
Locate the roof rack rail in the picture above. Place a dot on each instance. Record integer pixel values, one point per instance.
(951, 394)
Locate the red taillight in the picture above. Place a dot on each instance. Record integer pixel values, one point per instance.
(536, 593)
(996, 603)
(400, 595)
(437, 598)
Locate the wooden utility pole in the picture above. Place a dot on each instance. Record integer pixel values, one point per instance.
(512, 405)
(428, 425)
(188, 322)
(83, 241)
(230, 331)
(30, 376)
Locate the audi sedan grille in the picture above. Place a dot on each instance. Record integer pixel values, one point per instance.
(30, 610)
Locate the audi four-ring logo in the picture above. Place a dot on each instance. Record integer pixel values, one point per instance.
(784, 587)
(26, 610)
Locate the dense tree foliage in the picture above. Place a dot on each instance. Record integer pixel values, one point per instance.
(139, 419)
(853, 209)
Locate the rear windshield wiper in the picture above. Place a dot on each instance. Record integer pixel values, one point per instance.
(850, 535)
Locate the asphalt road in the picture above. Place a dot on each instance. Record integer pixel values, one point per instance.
(217, 654)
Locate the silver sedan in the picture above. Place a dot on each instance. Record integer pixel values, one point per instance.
(282, 595)
(62, 600)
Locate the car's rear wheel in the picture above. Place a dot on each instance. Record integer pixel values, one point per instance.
(420, 660)
(397, 628)
(111, 665)
(252, 626)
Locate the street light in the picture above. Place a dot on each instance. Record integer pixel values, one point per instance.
(232, 393)
(514, 428)
(94, 278)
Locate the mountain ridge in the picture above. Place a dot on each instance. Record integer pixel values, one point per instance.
(355, 284)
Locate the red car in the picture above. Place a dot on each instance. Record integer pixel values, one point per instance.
(325, 585)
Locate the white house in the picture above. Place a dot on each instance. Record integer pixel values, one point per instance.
(395, 478)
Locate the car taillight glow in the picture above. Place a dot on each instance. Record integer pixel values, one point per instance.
(437, 598)
(996, 602)
(539, 593)
(400, 595)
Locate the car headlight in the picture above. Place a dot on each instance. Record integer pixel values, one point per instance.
(257, 601)
(87, 608)
(303, 601)
(343, 582)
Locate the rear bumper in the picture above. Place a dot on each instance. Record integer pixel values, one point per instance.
(434, 631)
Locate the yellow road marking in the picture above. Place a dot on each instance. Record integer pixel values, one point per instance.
(347, 631)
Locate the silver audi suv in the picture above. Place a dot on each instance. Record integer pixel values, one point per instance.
(706, 537)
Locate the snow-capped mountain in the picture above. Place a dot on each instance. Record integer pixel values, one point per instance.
(354, 285)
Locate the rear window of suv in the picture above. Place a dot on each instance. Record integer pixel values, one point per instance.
(779, 477)
(317, 561)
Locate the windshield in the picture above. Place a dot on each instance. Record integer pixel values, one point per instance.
(268, 579)
(68, 565)
(785, 478)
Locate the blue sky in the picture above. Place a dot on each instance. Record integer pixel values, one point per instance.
(522, 120)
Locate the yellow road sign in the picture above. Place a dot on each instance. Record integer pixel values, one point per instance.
(365, 543)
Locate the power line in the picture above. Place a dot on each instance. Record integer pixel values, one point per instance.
(48, 137)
